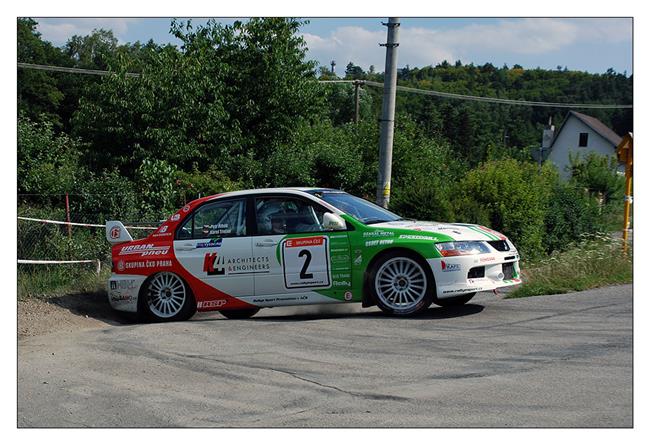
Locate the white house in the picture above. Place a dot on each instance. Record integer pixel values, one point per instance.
(580, 134)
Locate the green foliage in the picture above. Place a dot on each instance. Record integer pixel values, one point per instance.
(324, 155)
(229, 92)
(571, 214)
(511, 197)
(586, 264)
(48, 163)
(191, 185)
(38, 93)
(156, 186)
(106, 196)
(597, 174)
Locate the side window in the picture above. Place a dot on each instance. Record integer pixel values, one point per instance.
(218, 219)
(277, 216)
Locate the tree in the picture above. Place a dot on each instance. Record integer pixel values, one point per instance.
(229, 95)
(38, 93)
(353, 71)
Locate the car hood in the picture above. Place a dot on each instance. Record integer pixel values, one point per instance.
(458, 232)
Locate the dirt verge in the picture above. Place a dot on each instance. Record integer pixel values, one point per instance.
(68, 313)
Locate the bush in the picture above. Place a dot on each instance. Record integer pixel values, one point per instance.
(104, 197)
(156, 186)
(511, 197)
(191, 185)
(48, 163)
(571, 213)
(598, 175)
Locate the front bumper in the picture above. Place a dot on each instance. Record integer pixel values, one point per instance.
(475, 273)
(123, 291)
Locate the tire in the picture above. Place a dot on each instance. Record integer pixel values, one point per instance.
(166, 297)
(240, 314)
(401, 283)
(455, 301)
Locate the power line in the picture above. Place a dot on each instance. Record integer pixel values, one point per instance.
(495, 100)
(64, 69)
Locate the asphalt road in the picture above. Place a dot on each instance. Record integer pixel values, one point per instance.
(551, 361)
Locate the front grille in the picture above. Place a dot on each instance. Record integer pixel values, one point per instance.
(508, 271)
(501, 245)
(476, 272)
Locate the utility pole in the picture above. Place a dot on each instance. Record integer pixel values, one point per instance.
(388, 113)
(357, 84)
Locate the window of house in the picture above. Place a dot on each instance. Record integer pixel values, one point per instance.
(584, 138)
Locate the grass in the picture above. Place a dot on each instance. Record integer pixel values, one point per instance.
(44, 281)
(588, 264)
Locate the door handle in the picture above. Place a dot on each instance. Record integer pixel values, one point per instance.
(266, 243)
(186, 246)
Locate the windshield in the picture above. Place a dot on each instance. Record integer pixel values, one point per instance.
(364, 211)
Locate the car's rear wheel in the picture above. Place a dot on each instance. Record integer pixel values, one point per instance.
(240, 314)
(401, 284)
(455, 301)
(166, 297)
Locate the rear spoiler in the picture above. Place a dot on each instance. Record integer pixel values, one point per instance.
(116, 233)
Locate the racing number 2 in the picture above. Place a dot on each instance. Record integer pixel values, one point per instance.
(303, 272)
(305, 262)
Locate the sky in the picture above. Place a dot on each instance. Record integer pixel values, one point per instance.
(585, 44)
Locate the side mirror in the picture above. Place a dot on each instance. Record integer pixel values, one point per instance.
(333, 222)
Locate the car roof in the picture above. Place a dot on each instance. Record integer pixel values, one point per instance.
(310, 190)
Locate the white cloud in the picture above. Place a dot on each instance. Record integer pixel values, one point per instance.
(425, 46)
(58, 31)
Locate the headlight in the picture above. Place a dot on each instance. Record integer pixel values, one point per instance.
(457, 248)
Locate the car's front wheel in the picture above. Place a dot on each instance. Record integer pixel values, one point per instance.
(401, 284)
(455, 301)
(166, 297)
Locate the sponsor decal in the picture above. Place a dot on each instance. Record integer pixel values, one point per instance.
(214, 242)
(216, 229)
(378, 233)
(122, 284)
(163, 229)
(486, 259)
(347, 296)
(209, 264)
(341, 283)
(176, 217)
(304, 242)
(115, 232)
(215, 264)
(144, 250)
(379, 242)
(186, 208)
(280, 299)
(119, 297)
(147, 264)
(211, 304)
(419, 237)
(463, 290)
(120, 265)
(341, 276)
(449, 267)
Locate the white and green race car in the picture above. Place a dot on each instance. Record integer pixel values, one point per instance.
(238, 252)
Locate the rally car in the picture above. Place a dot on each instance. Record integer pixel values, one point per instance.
(238, 252)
